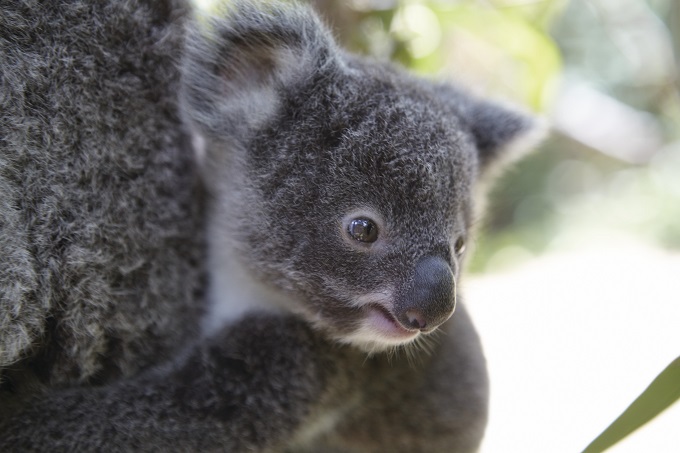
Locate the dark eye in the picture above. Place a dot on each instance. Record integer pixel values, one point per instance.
(363, 230)
(459, 246)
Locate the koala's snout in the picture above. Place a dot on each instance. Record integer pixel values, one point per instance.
(431, 297)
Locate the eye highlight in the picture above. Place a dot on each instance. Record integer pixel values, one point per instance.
(363, 230)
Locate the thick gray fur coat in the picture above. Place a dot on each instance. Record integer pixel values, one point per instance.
(100, 223)
(304, 339)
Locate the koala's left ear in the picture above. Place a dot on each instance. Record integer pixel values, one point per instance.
(502, 133)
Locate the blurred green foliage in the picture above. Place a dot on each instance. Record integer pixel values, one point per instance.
(602, 71)
(499, 45)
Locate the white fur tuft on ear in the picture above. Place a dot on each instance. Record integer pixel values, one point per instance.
(502, 133)
(534, 131)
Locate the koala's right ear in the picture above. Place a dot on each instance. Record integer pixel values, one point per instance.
(237, 61)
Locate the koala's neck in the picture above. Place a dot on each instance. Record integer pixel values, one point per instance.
(233, 292)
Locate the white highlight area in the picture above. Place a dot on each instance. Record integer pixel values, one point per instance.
(204, 4)
(571, 340)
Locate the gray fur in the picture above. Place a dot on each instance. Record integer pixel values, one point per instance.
(100, 234)
(295, 138)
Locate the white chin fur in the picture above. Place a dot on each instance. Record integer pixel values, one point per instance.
(378, 332)
(371, 337)
(372, 343)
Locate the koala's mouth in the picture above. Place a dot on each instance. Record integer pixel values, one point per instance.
(385, 325)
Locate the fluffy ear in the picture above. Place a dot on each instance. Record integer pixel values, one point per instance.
(501, 133)
(238, 59)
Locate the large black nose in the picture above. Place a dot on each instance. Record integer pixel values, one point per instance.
(431, 297)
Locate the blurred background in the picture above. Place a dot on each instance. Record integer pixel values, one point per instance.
(574, 279)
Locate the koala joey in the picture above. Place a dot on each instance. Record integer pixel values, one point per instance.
(341, 192)
(341, 187)
(340, 202)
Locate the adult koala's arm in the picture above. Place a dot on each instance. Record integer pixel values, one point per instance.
(245, 389)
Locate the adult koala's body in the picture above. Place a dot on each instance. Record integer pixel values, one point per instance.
(100, 225)
(339, 203)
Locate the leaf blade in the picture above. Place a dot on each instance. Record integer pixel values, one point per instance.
(657, 397)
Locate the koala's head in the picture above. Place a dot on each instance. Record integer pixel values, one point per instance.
(342, 183)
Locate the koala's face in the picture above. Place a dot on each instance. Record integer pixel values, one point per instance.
(351, 180)
(362, 205)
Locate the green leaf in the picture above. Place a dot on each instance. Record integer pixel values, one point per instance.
(660, 394)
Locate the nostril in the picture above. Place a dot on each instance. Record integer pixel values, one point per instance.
(416, 319)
